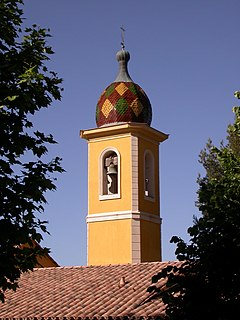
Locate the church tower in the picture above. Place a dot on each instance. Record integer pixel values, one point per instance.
(124, 224)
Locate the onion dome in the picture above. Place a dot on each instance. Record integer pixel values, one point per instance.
(123, 100)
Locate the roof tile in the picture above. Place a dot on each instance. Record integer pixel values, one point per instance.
(85, 292)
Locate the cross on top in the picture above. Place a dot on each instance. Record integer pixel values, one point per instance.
(122, 36)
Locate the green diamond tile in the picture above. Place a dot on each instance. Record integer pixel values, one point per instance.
(121, 106)
(109, 90)
(132, 88)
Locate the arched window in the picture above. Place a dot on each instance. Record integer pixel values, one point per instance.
(109, 169)
(149, 181)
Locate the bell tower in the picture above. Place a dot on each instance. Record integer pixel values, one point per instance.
(124, 224)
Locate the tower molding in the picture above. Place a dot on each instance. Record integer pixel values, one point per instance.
(121, 215)
(139, 129)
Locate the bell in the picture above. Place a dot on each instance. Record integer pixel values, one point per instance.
(112, 169)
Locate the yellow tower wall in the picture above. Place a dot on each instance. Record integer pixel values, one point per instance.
(96, 147)
(123, 227)
(150, 241)
(114, 245)
(147, 205)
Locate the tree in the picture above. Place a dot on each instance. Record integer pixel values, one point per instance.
(26, 86)
(206, 285)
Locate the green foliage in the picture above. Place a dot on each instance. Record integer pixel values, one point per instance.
(26, 86)
(207, 283)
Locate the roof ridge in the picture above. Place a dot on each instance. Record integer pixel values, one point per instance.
(108, 265)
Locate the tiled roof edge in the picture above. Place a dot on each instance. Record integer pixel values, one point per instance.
(96, 266)
(87, 318)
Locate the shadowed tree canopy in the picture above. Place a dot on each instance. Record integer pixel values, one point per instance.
(26, 86)
(207, 285)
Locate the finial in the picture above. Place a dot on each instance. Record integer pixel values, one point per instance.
(123, 57)
(122, 282)
(122, 36)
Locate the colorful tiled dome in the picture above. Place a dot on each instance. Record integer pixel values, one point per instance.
(123, 100)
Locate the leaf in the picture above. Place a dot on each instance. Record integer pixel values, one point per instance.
(12, 98)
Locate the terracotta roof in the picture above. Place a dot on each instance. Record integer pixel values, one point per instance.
(85, 292)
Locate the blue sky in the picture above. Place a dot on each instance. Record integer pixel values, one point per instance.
(185, 56)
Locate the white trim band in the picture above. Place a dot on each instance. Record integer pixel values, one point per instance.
(121, 215)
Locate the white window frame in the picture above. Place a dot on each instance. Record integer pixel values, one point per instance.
(150, 175)
(101, 174)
